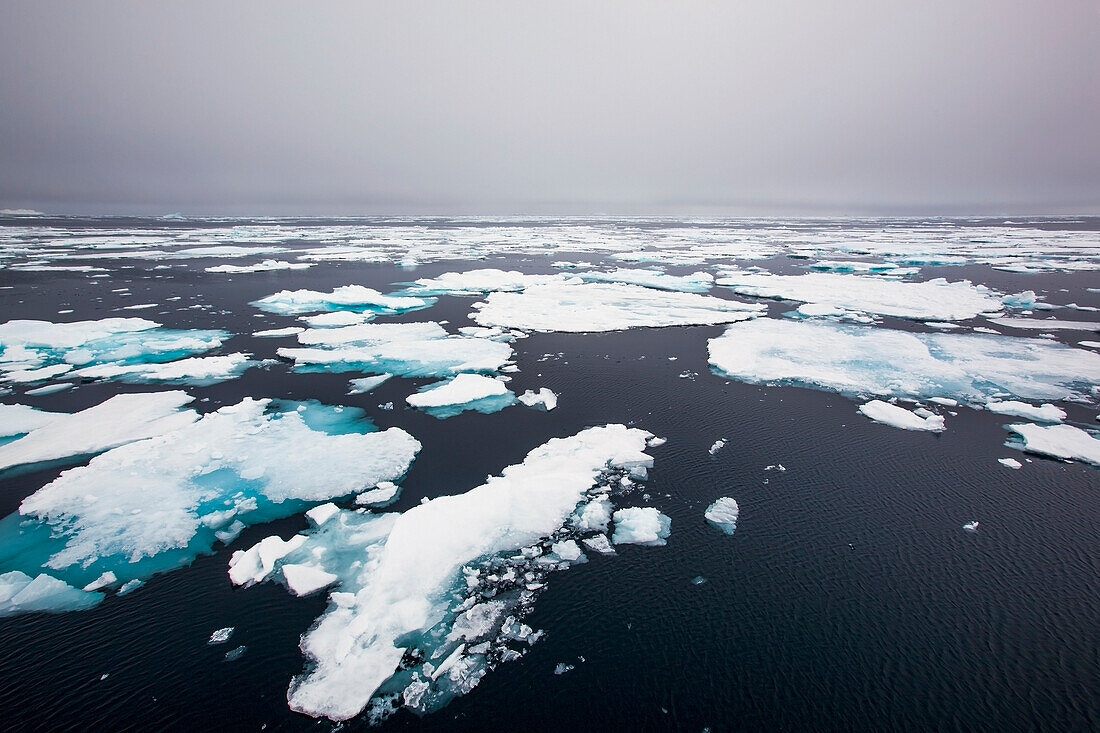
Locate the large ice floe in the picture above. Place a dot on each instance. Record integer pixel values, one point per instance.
(576, 307)
(463, 392)
(124, 418)
(898, 417)
(355, 298)
(127, 349)
(861, 360)
(421, 349)
(427, 601)
(1057, 441)
(153, 505)
(933, 300)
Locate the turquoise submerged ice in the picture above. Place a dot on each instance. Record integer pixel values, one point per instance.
(128, 349)
(427, 601)
(859, 360)
(354, 298)
(153, 505)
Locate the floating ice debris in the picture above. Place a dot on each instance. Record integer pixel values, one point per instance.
(406, 349)
(656, 442)
(265, 266)
(562, 668)
(386, 406)
(366, 384)
(1059, 441)
(723, 514)
(775, 467)
(1046, 324)
(945, 401)
(698, 580)
(1010, 462)
(348, 297)
(152, 505)
(20, 593)
(221, 636)
(933, 300)
(574, 307)
(855, 360)
(640, 526)
(49, 389)
(305, 579)
(38, 350)
(278, 332)
(386, 492)
(464, 392)
(593, 516)
(696, 282)
(545, 398)
(320, 514)
(971, 526)
(121, 419)
(1043, 413)
(335, 319)
(599, 544)
(899, 417)
(130, 586)
(103, 581)
(717, 446)
(421, 594)
(568, 550)
(197, 370)
(234, 654)
(824, 310)
(859, 266)
(1025, 299)
(1090, 344)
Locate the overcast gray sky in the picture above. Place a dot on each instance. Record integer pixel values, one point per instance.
(744, 106)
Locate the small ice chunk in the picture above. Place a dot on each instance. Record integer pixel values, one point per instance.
(723, 514)
(899, 417)
(305, 579)
(945, 401)
(130, 586)
(278, 332)
(384, 493)
(221, 635)
(463, 389)
(20, 593)
(593, 516)
(366, 384)
(567, 550)
(599, 544)
(105, 579)
(253, 565)
(234, 654)
(717, 446)
(640, 526)
(562, 668)
(544, 397)
(1010, 462)
(656, 442)
(335, 319)
(318, 515)
(971, 526)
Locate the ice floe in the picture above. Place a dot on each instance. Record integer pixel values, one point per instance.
(1058, 441)
(150, 506)
(723, 513)
(421, 349)
(932, 300)
(197, 370)
(574, 307)
(20, 593)
(1046, 324)
(355, 298)
(640, 526)
(22, 419)
(899, 417)
(480, 281)
(1010, 463)
(122, 419)
(429, 600)
(1043, 413)
(858, 360)
(544, 398)
(265, 266)
(696, 282)
(463, 392)
(366, 384)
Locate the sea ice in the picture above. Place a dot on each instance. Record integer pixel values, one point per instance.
(384, 493)
(265, 266)
(366, 384)
(121, 419)
(463, 392)
(717, 446)
(545, 398)
(1046, 324)
(197, 370)
(857, 360)
(348, 297)
(478, 282)
(1043, 413)
(1059, 441)
(20, 593)
(723, 514)
(152, 505)
(22, 419)
(335, 319)
(933, 300)
(1010, 463)
(575, 307)
(220, 636)
(640, 526)
(899, 417)
(401, 574)
(696, 282)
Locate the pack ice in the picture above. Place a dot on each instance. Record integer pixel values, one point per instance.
(427, 601)
(577, 307)
(422, 349)
(858, 360)
(153, 505)
(933, 300)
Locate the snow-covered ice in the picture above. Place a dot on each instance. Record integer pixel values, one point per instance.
(899, 417)
(640, 526)
(150, 506)
(1010, 463)
(265, 266)
(347, 297)
(1058, 441)
(932, 300)
(544, 398)
(1043, 413)
(722, 513)
(463, 392)
(574, 307)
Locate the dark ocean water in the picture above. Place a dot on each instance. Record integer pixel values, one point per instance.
(849, 597)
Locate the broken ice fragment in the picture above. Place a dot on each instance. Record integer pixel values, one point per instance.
(640, 526)
(899, 417)
(722, 513)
